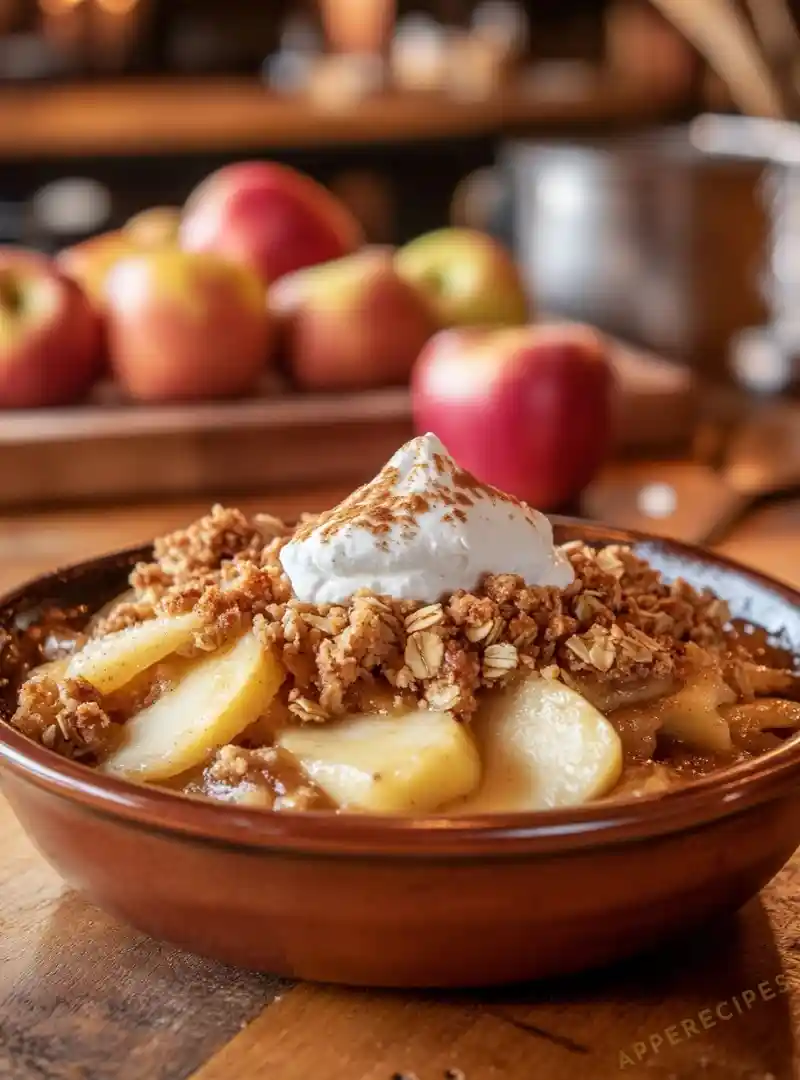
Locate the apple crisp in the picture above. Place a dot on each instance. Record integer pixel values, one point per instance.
(683, 691)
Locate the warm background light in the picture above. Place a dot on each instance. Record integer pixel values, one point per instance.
(358, 25)
(58, 7)
(117, 7)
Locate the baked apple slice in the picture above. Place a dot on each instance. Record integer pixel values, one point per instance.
(53, 670)
(542, 746)
(404, 763)
(112, 661)
(220, 696)
(693, 717)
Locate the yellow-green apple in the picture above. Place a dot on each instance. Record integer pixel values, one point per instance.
(50, 336)
(90, 262)
(154, 227)
(527, 409)
(185, 325)
(468, 277)
(351, 323)
(270, 217)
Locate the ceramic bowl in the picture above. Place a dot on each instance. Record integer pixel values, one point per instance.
(448, 902)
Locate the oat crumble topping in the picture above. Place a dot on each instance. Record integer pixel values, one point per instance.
(617, 622)
(64, 715)
(618, 634)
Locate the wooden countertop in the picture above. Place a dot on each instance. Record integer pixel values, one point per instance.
(151, 116)
(83, 998)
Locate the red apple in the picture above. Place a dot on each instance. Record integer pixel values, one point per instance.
(467, 276)
(90, 262)
(528, 410)
(185, 326)
(154, 227)
(269, 217)
(351, 323)
(50, 338)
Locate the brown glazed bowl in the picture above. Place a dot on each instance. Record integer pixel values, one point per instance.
(447, 902)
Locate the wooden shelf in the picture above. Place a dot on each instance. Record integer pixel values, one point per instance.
(162, 116)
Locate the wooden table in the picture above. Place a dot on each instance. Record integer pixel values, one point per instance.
(82, 998)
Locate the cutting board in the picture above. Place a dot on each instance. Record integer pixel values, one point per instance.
(108, 449)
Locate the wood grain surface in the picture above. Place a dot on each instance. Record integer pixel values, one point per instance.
(83, 998)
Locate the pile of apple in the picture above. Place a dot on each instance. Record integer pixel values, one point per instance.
(264, 267)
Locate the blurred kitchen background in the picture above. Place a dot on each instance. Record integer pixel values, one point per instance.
(405, 109)
(393, 104)
(639, 158)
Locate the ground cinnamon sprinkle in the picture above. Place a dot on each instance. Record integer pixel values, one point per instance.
(381, 509)
(374, 507)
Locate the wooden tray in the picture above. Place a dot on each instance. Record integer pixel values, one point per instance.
(110, 450)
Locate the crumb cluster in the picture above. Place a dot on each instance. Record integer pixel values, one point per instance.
(65, 715)
(261, 776)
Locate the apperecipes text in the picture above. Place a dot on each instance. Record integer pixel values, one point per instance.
(729, 1009)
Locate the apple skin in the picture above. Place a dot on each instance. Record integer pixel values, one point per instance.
(468, 277)
(90, 262)
(154, 227)
(350, 324)
(529, 410)
(269, 217)
(185, 326)
(50, 335)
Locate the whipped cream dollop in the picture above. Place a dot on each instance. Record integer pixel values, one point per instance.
(422, 529)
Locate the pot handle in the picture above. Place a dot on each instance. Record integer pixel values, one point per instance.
(771, 141)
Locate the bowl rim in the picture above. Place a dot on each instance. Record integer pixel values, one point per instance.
(735, 790)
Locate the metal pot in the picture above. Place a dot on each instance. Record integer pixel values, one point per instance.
(648, 237)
